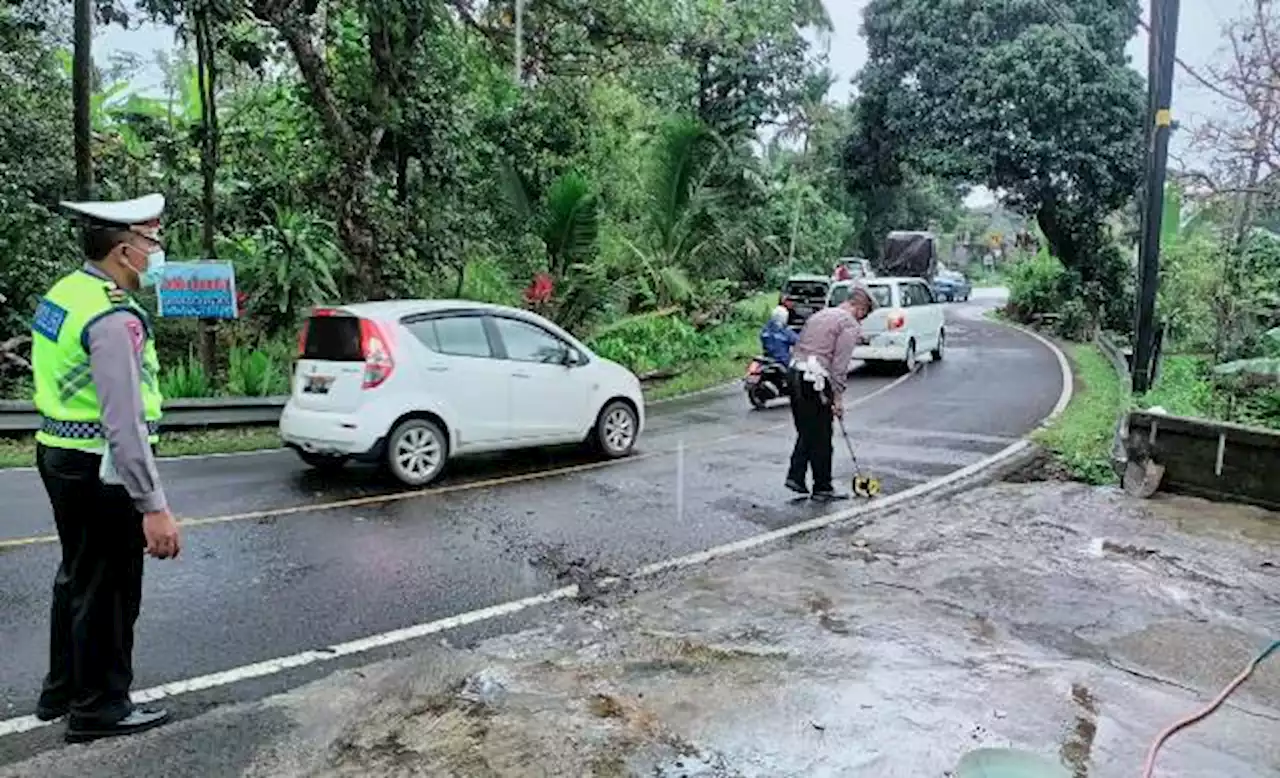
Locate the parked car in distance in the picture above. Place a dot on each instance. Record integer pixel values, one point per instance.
(907, 321)
(857, 267)
(411, 384)
(951, 285)
(802, 295)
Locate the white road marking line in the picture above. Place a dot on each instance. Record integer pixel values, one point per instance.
(394, 637)
(259, 451)
(465, 486)
(163, 460)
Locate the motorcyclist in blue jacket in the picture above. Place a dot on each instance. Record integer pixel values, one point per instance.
(777, 338)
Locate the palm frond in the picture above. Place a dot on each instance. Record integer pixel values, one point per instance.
(571, 226)
(516, 190)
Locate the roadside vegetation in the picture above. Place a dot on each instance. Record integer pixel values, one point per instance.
(650, 170)
(1081, 438)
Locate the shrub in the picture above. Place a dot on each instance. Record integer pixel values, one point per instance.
(186, 379)
(1035, 287)
(255, 373)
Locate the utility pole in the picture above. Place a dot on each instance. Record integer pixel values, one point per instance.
(1164, 41)
(82, 96)
(519, 42)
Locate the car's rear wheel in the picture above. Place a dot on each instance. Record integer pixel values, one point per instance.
(942, 342)
(324, 463)
(909, 361)
(616, 429)
(417, 450)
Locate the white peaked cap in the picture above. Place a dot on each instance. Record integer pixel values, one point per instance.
(121, 213)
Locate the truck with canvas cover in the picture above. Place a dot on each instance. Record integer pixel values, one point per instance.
(909, 255)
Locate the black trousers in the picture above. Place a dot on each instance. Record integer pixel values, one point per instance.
(811, 411)
(97, 591)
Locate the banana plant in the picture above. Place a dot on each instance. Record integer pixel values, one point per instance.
(566, 219)
(679, 193)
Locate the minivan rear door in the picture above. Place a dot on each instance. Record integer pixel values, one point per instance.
(330, 372)
(878, 320)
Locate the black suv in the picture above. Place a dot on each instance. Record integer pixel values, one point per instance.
(803, 296)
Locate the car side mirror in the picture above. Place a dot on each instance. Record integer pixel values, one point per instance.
(571, 358)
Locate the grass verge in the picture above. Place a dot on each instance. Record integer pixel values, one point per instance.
(1081, 438)
(21, 452)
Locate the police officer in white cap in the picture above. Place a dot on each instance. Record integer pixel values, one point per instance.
(97, 390)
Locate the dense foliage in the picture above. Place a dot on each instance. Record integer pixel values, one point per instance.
(339, 150)
(1037, 103)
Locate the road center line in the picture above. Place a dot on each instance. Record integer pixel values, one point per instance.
(362, 645)
(488, 483)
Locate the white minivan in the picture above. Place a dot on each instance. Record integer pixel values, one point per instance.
(907, 321)
(411, 384)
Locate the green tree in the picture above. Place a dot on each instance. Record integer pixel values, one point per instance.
(1036, 104)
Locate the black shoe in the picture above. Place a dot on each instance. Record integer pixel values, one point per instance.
(51, 712)
(140, 720)
(828, 495)
(796, 486)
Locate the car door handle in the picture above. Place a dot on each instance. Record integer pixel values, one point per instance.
(438, 369)
(520, 375)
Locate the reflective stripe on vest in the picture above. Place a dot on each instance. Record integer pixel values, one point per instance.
(65, 394)
(82, 430)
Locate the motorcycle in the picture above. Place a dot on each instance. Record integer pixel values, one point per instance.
(766, 380)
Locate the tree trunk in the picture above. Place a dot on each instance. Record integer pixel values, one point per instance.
(82, 97)
(355, 226)
(206, 76)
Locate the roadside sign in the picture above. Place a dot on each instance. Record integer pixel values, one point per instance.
(198, 290)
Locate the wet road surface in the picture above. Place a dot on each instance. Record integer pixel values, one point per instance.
(1068, 622)
(254, 589)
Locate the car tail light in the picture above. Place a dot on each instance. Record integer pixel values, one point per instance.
(897, 319)
(378, 363)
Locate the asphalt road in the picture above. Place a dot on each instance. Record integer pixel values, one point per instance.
(298, 572)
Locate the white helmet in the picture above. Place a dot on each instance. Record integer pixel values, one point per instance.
(780, 316)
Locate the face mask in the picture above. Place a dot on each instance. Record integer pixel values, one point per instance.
(153, 273)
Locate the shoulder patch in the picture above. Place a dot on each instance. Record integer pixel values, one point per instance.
(48, 319)
(137, 334)
(117, 295)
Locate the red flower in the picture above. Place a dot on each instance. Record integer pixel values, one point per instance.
(242, 299)
(539, 292)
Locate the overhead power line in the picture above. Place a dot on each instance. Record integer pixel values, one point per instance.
(1192, 71)
(1067, 26)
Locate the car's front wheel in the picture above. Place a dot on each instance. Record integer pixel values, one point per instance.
(616, 429)
(942, 343)
(417, 450)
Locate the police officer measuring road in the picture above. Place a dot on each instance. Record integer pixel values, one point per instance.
(97, 390)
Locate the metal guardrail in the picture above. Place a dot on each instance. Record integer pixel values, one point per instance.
(1114, 355)
(20, 418)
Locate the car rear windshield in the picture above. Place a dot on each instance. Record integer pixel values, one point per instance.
(878, 293)
(806, 289)
(333, 339)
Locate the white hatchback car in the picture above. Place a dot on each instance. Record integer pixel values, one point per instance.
(412, 383)
(907, 320)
